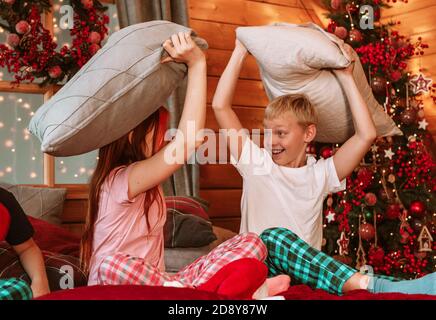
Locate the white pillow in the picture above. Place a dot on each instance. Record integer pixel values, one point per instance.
(119, 87)
(292, 60)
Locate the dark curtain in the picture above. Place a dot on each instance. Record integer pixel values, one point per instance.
(185, 181)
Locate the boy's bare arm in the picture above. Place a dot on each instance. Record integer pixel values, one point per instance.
(223, 98)
(349, 155)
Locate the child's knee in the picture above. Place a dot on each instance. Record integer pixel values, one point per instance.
(276, 234)
(257, 248)
(107, 270)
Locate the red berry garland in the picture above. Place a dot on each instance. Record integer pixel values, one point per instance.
(30, 50)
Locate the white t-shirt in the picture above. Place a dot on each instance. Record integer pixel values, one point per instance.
(279, 196)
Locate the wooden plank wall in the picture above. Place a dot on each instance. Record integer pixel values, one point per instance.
(216, 21)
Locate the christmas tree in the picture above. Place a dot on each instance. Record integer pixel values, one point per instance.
(386, 218)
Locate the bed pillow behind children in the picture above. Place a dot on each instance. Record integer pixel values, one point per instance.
(120, 86)
(292, 59)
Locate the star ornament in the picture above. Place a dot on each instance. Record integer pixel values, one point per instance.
(421, 84)
(389, 154)
(331, 216)
(343, 242)
(423, 124)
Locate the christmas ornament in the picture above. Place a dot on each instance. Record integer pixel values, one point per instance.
(408, 116)
(378, 85)
(13, 40)
(341, 32)
(370, 199)
(330, 215)
(355, 36)
(55, 72)
(389, 154)
(94, 37)
(423, 124)
(367, 231)
(417, 208)
(22, 27)
(425, 240)
(326, 152)
(395, 75)
(391, 179)
(343, 243)
(393, 211)
(420, 84)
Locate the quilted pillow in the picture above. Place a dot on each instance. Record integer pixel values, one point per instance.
(292, 60)
(120, 86)
(43, 203)
(56, 264)
(186, 230)
(188, 205)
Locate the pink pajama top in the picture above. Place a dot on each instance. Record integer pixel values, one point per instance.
(121, 225)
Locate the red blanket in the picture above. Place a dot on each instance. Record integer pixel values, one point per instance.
(129, 292)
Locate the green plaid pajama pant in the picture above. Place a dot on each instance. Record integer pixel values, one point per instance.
(14, 289)
(289, 254)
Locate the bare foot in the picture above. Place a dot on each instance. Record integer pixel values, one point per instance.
(278, 284)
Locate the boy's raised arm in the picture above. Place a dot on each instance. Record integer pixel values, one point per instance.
(223, 98)
(349, 155)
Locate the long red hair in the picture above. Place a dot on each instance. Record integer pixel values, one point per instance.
(122, 152)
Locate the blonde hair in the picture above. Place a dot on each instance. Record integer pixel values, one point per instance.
(297, 104)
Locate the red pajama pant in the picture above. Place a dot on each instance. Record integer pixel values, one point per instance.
(124, 269)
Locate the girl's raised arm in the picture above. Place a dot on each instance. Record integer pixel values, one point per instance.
(148, 173)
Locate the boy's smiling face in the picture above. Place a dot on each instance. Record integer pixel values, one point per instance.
(286, 140)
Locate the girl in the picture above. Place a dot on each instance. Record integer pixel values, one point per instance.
(123, 239)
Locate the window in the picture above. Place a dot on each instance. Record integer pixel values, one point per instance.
(21, 161)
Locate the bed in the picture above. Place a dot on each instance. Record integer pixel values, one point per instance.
(61, 246)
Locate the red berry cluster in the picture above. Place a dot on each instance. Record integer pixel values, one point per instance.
(415, 166)
(404, 261)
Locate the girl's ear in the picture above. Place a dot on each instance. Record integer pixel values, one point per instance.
(130, 137)
(310, 133)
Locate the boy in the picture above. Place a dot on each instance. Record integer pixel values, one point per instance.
(283, 189)
(16, 229)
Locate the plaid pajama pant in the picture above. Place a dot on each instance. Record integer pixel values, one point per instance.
(289, 254)
(124, 269)
(14, 289)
